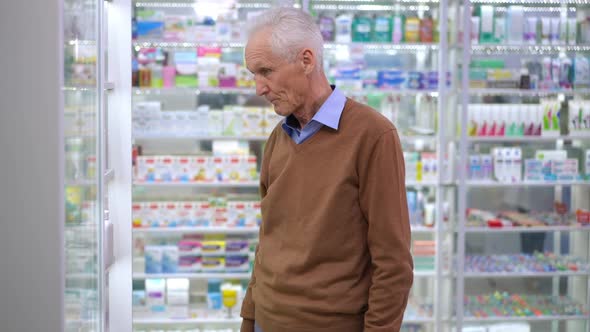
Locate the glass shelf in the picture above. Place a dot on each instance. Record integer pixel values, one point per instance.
(530, 2)
(527, 93)
(248, 91)
(386, 46)
(524, 318)
(194, 276)
(523, 139)
(527, 49)
(523, 184)
(371, 7)
(197, 230)
(169, 44)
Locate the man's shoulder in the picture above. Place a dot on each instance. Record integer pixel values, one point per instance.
(365, 118)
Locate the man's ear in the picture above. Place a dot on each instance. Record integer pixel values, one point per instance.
(308, 60)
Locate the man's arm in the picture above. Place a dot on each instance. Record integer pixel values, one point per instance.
(247, 312)
(383, 202)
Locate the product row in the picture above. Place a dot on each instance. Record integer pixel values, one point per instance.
(197, 169)
(356, 77)
(505, 165)
(482, 218)
(233, 120)
(203, 67)
(182, 259)
(378, 28)
(173, 298)
(558, 73)
(216, 212)
(344, 28)
(524, 263)
(423, 253)
(517, 120)
(421, 208)
(510, 25)
(504, 304)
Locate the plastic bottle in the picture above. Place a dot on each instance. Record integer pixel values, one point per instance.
(168, 72)
(398, 28)
(327, 27)
(426, 29)
(344, 28)
(382, 31)
(361, 29)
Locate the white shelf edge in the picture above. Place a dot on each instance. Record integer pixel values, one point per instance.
(169, 321)
(491, 184)
(197, 90)
(526, 229)
(521, 92)
(196, 275)
(200, 138)
(525, 274)
(526, 318)
(196, 185)
(523, 139)
(201, 230)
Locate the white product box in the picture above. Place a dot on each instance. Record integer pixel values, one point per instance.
(153, 259)
(215, 122)
(155, 290)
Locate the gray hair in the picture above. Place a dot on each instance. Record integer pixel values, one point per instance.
(291, 31)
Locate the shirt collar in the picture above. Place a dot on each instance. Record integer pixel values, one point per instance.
(329, 113)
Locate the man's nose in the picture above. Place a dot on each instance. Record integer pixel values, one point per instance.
(261, 86)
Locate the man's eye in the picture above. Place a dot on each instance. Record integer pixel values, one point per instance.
(265, 71)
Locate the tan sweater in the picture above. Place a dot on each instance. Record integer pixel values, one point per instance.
(334, 251)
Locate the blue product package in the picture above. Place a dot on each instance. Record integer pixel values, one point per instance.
(415, 80)
(150, 29)
(170, 259)
(237, 263)
(393, 79)
(214, 301)
(153, 259)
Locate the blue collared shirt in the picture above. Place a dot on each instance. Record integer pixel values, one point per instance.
(328, 115)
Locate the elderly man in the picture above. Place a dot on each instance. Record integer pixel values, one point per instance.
(334, 252)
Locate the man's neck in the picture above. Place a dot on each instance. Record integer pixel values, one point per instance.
(318, 98)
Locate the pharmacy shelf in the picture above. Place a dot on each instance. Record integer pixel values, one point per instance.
(251, 91)
(424, 274)
(80, 276)
(197, 230)
(172, 44)
(242, 185)
(414, 47)
(493, 184)
(250, 184)
(371, 7)
(171, 138)
(525, 274)
(251, 5)
(193, 276)
(187, 321)
(523, 319)
(526, 229)
(81, 183)
(422, 229)
(418, 320)
(527, 93)
(527, 49)
(73, 88)
(418, 184)
(192, 91)
(160, 138)
(530, 2)
(522, 139)
(201, 321)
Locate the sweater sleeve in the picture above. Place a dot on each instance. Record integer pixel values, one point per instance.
(384, 205)
(247, 312)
